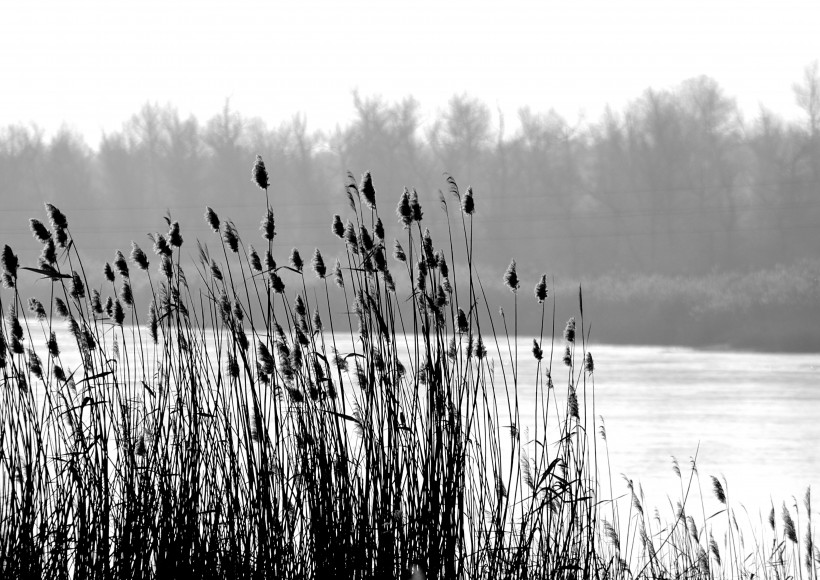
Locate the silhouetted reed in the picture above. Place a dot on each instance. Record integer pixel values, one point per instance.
(259, 430)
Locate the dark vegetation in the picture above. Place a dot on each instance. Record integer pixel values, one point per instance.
(678, 184)
(245, 428)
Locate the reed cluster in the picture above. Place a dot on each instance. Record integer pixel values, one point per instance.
(225, 417)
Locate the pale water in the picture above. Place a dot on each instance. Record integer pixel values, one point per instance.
(751, 417)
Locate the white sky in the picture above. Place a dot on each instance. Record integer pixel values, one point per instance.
(93, 64)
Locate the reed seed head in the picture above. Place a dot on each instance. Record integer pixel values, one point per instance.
(174, 237)
(39, 230)
(338, 227)
(36, 307)
(337, 275)
(536, 350)
(350, 237)
(120, 264)
(127, 294)
(415, 206)
(49, 253)
(318, 264)
(77, 286)
(367, 190)
(161, 247)
(253, 258)
(296, 260)
(212, 219)
(9, 261)
(589, 363)
(398, 252)
(541, 291)
(260, 174)
(378, 229)
(569, 330)
(60, 307)
(467, 202)
(138, 257)
(404, 210)
(511, 277)
(56, 217)
(231, 237)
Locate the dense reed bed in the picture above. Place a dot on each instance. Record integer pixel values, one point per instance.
(225, 417)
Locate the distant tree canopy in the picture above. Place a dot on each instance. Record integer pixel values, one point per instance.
(677, 182)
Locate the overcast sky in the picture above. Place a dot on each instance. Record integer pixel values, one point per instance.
(94, 63)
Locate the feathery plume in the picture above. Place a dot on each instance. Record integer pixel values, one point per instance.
(541, 289)
(260, 174)
(212, 219)
(318, 264)
(39, 230)
(367, 190)
(138, 257)
(467, 202)
(511, 277)
(404, 209)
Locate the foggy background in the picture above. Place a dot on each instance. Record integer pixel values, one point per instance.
(680, 215)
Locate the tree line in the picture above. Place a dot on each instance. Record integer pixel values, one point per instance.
(676, 182)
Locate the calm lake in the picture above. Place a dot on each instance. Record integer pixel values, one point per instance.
(754, 417)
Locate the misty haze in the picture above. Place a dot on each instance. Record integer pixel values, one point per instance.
(274, 316)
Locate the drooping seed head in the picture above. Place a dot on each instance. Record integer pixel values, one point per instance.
(120, 264)
(56, 217)
(138, 257)
(39, 230)
(212, 219)
(378, 229)
(589, 363)
(253, 257)
(368, 191)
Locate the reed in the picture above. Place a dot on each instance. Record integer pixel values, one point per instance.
(261, 422)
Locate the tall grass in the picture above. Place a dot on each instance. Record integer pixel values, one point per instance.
(260, 415)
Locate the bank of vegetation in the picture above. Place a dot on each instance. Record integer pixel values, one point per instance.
(226, 421)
